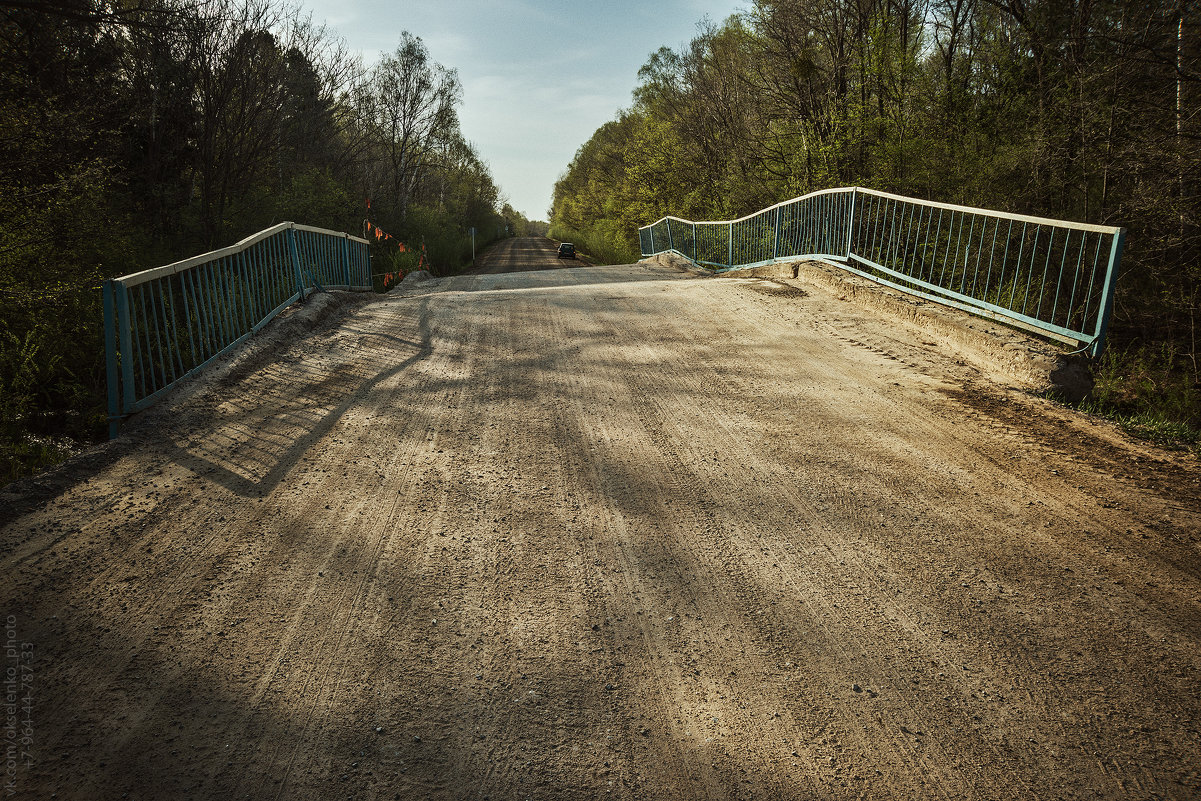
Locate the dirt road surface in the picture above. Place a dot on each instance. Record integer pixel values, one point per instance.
(521, 254)
(609, 532)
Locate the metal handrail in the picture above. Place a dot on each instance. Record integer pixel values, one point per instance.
(164, 324)
(1052, 277)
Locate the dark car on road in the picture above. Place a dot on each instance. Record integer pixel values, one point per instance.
(566, 251)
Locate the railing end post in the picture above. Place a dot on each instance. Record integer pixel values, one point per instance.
(1107, 292)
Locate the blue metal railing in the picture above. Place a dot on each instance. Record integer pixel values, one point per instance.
(163, 325)
(1049, 276)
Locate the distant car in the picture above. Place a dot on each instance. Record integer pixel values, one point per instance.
(566, 251)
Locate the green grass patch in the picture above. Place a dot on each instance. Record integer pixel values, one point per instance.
(1151, 392)
(30, 454)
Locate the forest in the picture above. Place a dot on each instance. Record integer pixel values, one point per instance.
(141, 132)
(1085, 110)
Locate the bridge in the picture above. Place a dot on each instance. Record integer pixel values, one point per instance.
(625, 531)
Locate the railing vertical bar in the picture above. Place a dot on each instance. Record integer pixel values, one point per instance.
(898, 225)
(279, 245)
(163, 357)
(946, 254)
(889, 237)
(1042, 291)
(937, 241)
(1038, 229)
(187, 312)
(264, 273)
(186, 322)
(1018, 269)
(979, 256)
(955, 259)
(246, 292)
(1076, 280)
(1004, 262)
(132, 355)
(909, 233)
(216, 291)
(212, 298)
(256, 288)
(125, 344)
(138, 336)
(1063, 263)
(1088, 299)
(967, 253)
(852, 228)
(195, 277)
(892, 234)
(730, 242)
(171, 329)
(197, 305)
(221, 304)
(267, 273)
(145, 355)
(270, 273)
(876, 237)
(228, 301)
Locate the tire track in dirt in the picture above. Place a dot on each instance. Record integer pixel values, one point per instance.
(716, 553)
(665, 528)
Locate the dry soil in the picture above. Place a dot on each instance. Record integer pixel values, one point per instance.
(609, 532)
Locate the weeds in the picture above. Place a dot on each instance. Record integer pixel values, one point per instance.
(602, 248)
(1152, 393)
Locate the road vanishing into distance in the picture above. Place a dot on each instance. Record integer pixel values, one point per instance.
(607, 532)
(521, 254)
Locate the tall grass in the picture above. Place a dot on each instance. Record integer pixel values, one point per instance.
(1152, 392)
(600, 246)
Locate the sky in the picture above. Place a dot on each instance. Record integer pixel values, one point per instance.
(539, 76)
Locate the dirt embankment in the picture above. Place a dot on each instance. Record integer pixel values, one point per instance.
(612, 532)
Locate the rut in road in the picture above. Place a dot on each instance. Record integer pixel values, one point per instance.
(613, 532)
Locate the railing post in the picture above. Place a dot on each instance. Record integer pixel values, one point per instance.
(851, 221)
(695, 255)
(346, 258)
(775, 245)
(125, 346)
(294, 251)
(671, 245)
(730, 241)
(1111, 279)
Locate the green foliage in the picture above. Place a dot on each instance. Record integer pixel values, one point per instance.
(604, 243)
(133, 135)
(1150, 393)
(1077, 111)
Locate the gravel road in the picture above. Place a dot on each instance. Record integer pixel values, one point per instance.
(609, 532)
(521, 254)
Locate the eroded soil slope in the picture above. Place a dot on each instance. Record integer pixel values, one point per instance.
(612, 532)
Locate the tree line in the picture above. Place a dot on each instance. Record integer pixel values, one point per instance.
(1082, 110)
(138, 133)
